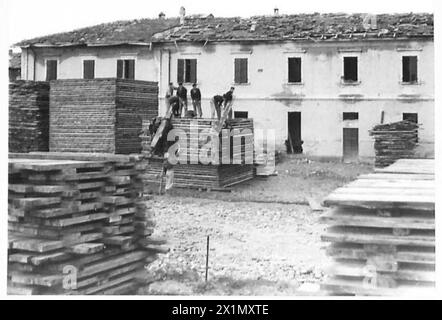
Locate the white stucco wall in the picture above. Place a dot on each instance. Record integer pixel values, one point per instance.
(321, 97)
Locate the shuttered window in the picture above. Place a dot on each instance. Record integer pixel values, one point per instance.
(241, 75)
(126, 69)
(187, 70)
(88, 69)
(350, 69)
(294, 70)
(51, 70)
(409, 69)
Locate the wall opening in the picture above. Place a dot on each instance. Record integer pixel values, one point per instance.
(351, 69)
(240, 114)
(88, 69)
(412, 117)
(51, 70)
(126, 69)
(187, 71)
(294, 141)
(294, 70)
(350, 115)
(409, 69)
(350, 144)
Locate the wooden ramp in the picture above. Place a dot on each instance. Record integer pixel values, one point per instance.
(381, 230)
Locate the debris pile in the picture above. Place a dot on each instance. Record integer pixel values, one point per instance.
(77, 224)
(100, 115)
(28, 116)
(394, 141)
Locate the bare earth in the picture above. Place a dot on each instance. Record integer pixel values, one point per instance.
(264, 235)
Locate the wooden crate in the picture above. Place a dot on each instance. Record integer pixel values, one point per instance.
(100, 115)
(381, 230)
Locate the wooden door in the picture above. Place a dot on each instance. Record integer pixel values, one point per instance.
(350, 144)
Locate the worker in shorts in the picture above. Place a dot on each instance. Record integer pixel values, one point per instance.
(181, 93)
(228, 101)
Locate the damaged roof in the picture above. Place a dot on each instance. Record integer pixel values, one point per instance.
(316, 26)
(333, 26)
(138, 31)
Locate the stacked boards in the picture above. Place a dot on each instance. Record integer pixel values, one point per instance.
(394, 141)
(208, 159)
(77, 226)
(100, 115)
(28, 116)
(381, 230)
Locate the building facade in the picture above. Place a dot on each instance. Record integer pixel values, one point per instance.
(326, 93)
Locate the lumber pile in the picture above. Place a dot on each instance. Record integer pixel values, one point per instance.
(394, 141)
(381, 230)
(100, 115)
(198, 166)
(77, 224)
(28, 116)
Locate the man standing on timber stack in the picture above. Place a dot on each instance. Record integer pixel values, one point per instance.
(181, 93)
(228, 101)
(195, 95)
(169, 94)
(215, 105)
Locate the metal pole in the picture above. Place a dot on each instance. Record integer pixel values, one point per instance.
(207, 259)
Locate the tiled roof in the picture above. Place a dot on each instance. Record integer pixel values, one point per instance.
(302, 26)
(332, 26)
(119, 32)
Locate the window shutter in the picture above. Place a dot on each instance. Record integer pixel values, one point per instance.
(51, 70)
(88, 69)
(237, 71)
(180, 71)
(192, 71)
(244, 68)
(130, 69)
(120, 69)
(413, 69)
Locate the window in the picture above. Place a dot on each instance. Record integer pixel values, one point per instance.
(294, 70)
(241, 114)
(351, 69)
(409, 69)
(412, 117)
(350, 116)
(241, 70)
(88, 69)
(126, 69)
(51, 70)
(186, 70)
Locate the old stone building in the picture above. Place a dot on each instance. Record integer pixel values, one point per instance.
(323, 79)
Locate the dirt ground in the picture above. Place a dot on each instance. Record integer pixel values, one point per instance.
(264, 235)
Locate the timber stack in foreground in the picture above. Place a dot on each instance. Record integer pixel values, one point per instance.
(382, 232)
(28, 116)
(394, 141)
(100, 115)
(208, 161)
(77, 224)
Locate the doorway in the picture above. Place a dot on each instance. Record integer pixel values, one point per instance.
(294, 141)
(350, 144)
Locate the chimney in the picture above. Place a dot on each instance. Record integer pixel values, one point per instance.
(161, 15)
(182, 15)
(276, 11)
(253, 27)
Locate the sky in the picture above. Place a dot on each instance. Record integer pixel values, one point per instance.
(26, 19)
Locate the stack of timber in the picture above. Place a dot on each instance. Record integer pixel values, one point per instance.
(77, 224)
(382, 232)
(197, 166)
(28, 116)
(394, 141)
(100, 115)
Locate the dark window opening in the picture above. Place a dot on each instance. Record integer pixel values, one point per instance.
(241, 75)
(351, 69)
(294, 70)
(241, 114)
(350, 115)
(409, 69)
(294, 141)
(186, 71)
(88, 69)
(350, 144)
(412, 117)
(126, 69)
(51, 70)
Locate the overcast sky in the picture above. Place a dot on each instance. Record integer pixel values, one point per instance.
(31, 18)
